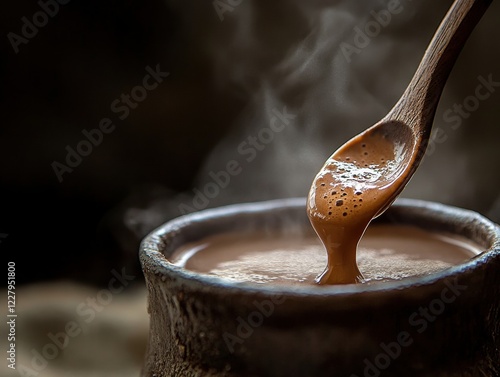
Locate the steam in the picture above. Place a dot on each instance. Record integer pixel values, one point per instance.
(333, 98)
(288, 55)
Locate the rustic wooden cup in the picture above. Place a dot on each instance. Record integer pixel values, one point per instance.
(444, 324)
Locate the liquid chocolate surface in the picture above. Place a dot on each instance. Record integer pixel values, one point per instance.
(386, 252)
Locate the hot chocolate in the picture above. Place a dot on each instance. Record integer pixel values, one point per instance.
(386, 252)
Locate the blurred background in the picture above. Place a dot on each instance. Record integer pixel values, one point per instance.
(184, 92)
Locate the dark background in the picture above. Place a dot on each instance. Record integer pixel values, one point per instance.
(222, 75)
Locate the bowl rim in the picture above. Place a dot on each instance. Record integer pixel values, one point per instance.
(153, 260)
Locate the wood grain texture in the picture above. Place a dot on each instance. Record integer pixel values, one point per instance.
(418, 104)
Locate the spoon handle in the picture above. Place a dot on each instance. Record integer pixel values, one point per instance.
(418, 104)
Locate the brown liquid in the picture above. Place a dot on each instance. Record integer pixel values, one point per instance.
(386, 252)
(355, 185)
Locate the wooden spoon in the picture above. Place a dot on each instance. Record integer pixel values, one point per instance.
(364, 176)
